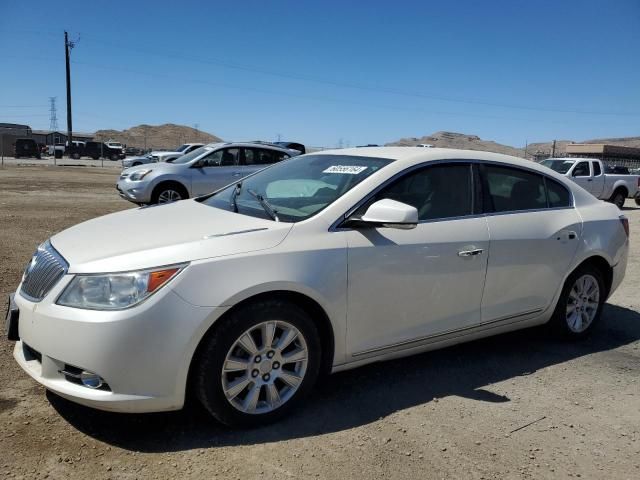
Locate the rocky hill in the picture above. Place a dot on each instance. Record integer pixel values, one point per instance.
(460, 140)
(167, 136)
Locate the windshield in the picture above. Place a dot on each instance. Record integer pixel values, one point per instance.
(191, 155)
(182, 148)
(560, 166)
(298, 188)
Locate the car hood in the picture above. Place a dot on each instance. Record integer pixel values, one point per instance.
(163, 235)
(158, 167)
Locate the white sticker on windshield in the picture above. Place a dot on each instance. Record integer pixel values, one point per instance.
(348, 169)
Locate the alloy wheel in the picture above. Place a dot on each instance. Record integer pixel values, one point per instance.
(264, 367)
(168, 196)
(582, 303)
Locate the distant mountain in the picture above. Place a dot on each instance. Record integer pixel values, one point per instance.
(459, 140)
(473, 142)
(167, 136)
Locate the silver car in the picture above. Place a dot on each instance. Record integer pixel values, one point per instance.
(199, 172)
(135, 161)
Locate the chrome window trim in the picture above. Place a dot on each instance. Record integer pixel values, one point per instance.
(335, 226)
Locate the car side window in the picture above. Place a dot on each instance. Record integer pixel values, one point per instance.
(581, 170)
(439, 191)
(512, 189)
(265, 157)
(249, 156)
(557, 195)
(596, 169)
(213, 159)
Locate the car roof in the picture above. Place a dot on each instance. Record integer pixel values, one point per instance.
(412, 155)
(248, 145)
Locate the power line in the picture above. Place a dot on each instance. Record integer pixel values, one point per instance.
(394, 91)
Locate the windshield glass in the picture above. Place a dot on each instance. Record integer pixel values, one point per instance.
(191, 155)
(298, 188)
(181, 148)
(560, 166)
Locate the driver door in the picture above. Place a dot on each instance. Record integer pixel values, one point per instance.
(216, 170)
(407, 286)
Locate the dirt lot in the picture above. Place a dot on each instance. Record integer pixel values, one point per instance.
(514, 406)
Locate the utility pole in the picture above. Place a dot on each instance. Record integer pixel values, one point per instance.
(553, 149)
(526, 146)
(68, 45)
(197, 126)
(279, 137)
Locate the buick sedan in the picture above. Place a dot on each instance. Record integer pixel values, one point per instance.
(318, 264)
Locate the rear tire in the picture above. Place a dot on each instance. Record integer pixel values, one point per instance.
(75, 156)
(114, 157)
(580, 304)
(258, 364)
(618, 198)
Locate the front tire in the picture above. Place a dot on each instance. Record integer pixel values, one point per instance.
(258, 364)
(168, 192)
(580, 304)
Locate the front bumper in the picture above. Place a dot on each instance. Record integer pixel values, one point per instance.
(134, 191)
(142, 353)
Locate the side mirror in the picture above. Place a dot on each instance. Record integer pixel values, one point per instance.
(391, 214)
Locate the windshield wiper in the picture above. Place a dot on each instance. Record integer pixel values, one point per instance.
(265, 205)
(234, 196)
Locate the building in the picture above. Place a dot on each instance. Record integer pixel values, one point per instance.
(49, 137)
(9, 132)
(610, 154)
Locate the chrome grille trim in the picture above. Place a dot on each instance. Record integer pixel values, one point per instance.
(45, 269)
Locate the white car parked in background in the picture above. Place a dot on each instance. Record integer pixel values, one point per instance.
(591, 175)
(320, 263)
(170, 155)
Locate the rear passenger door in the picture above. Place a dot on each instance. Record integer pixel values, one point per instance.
(597, 183)
(534, 231)
(258, 158)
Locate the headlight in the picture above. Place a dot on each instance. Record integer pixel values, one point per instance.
(139, 175)
(115, 291)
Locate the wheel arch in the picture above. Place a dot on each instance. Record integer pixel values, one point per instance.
(620, 187)
(601, 264)
(307, 303)
(160, 182)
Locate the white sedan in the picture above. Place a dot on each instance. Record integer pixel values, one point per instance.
(318, 264)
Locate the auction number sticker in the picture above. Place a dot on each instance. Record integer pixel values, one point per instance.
(348, 169)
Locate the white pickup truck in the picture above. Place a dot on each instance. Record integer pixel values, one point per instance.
(591, 175)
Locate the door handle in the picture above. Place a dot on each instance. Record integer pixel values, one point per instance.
(470, 253)
(590, 180)
(567, 234)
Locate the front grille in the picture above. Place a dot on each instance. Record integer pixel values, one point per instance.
(46, 268)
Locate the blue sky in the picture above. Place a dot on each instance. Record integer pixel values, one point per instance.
(317, 72)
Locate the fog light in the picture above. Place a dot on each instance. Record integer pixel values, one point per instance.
(91, 380)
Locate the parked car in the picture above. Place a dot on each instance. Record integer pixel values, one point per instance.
(199, 172)
(170, 155)
(141, 160)
(98, 150)
(292, 146)
(26, 148)
(590, 174)
(425, 145)
(133, 151)
(60, 148)
(318, 264)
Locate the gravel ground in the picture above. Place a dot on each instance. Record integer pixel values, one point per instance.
(513, 406)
